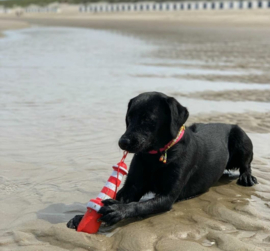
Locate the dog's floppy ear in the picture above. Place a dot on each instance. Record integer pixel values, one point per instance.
(179, 115)
(129, 105)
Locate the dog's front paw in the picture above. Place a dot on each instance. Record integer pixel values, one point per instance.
(109, 202)
(247, 180)
(74, 222)
(112, 212)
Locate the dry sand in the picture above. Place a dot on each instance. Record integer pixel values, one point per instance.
(227, 217)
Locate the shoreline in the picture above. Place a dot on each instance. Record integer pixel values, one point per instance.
(174, 31)
(214, 17)
(259, 19)
(11, 24)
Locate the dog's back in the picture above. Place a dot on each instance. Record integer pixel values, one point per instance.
(221, 146)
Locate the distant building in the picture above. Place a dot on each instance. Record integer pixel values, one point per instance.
(4, 10)
(51, 8)
(174, 6)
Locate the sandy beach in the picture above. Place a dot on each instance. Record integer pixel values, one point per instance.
(12, 25)
(61, 120)
(234, 95)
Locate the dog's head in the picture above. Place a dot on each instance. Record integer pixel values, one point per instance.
(152, 120)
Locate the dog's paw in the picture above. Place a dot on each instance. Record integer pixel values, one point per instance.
(74, 222)
(109, 202)
(247, 180)
(112, 212)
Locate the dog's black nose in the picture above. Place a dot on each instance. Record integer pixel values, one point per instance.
(124, 143)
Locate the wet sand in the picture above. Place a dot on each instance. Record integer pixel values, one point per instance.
(12, 25)
(236, 40)
(227, 217)
(234, 95)
(251, 122)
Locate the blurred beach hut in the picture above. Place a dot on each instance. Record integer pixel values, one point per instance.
(51, 8)
(174, 6)
(31, 8)
(2, 10)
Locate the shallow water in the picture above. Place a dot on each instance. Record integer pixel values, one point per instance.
(63, 98)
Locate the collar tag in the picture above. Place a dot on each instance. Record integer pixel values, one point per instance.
(163, 157)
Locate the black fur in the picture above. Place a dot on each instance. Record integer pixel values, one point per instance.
(194, 164)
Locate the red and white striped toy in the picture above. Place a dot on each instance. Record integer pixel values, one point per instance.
(89, 223)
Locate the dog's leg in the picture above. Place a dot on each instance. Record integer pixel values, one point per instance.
(74, 222)
(134, 187)
(112, 213)
(241, 155)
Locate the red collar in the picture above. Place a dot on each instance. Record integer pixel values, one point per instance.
(163, 157)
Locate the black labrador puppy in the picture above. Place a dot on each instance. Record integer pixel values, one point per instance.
(193, 164)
